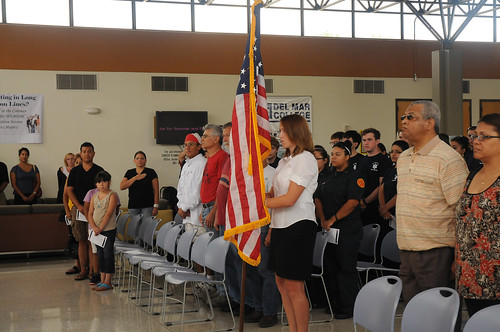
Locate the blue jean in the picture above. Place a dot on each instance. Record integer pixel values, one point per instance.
(261, 282)
(146, 212)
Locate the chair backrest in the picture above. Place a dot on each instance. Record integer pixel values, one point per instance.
(433, 310)
(145, 222)
(185, 243)
(149, 232)
(376, 302)
(368, 243)
(486, 320)
(170, 243)
(215, 258)
(178, 219)
(133, 227)
(199, 248)
(121, 222)
(389, 247)
(162, 233)
(319, 248)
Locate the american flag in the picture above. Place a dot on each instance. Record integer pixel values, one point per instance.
(250, 143)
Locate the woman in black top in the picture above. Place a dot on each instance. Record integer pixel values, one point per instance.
(323, 160)
(143, 188)
(337, 205)
(387, 193)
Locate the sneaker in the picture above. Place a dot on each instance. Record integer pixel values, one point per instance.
(95, 279)
(253, 317)
(268, 321)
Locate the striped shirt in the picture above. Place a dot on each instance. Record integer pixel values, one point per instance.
(430, 182)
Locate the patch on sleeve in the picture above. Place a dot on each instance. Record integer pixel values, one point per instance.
(361, 183)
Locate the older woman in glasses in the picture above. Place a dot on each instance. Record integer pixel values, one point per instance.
(337, 205)
(477, 250)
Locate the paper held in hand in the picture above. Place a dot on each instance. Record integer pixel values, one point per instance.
(98, 240)
(80, 216)
(333, 235)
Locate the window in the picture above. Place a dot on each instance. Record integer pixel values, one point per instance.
(163, 16)
(214, 18)
(327, 23)
(275, 21)
(377, 25)
(103, 13)
(47, 12)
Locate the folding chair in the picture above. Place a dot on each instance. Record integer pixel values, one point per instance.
(376, 303)
(433, 310)
(215, 259)
(389, 250)
(486, 320)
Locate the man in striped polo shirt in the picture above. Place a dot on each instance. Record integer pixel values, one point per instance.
(431, 178)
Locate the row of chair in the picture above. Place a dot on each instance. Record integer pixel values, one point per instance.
(433, 310)
(169, 253)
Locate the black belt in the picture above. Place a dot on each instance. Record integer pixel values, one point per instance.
(207, 205)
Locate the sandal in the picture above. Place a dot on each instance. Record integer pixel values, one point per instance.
(96, 286)
(103, 287)
(73, 270)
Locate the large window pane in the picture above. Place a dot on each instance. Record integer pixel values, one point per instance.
(47, 12)
(377, 25)
(280, 21)
(478, 29)
(220, 19)
(163, 16)
(327, 23)
(103, 13)
(414, 29)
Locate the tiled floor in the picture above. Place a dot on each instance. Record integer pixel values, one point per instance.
(38, 296)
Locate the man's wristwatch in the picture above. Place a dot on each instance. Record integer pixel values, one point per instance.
(156, 205)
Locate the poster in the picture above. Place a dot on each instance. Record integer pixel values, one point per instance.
(21, 118)
(279, 107)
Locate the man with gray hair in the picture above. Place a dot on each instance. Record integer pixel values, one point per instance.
(211, 142)
(431, 178)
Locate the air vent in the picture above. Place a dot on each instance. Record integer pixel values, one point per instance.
(164, 83)
(369, 86)
(76, 82)
(465, 86)
(269, 85)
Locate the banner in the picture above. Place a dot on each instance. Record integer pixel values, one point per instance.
(279, 107)
(21, 118)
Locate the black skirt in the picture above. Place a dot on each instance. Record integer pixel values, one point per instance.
(291, 250)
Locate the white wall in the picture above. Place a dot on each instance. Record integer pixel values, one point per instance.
(128, 105)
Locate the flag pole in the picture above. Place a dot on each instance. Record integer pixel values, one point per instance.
(242, 295)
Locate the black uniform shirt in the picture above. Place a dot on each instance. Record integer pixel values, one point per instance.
(335, 190)
(371, 170)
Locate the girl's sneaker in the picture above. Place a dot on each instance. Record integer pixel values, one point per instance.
(95, 279)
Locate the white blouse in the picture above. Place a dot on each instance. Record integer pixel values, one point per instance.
(303, 170)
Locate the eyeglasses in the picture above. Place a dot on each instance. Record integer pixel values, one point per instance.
(482, 137)
(190, 144)
(408, 116)
(395, 151)
(320, 158)
(205, 136)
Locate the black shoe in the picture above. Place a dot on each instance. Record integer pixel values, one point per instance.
(235, 306)
(268, 321)
(253, 317)
(342, 316)
(248, 311)
(95, 279)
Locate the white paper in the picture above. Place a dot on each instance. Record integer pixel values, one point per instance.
(68, 222)
(80, 216)
(98, 240)
(333, 235)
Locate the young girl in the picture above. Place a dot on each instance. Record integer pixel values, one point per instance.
(102, 219)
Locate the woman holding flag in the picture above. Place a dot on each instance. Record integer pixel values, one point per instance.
(293, 225)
